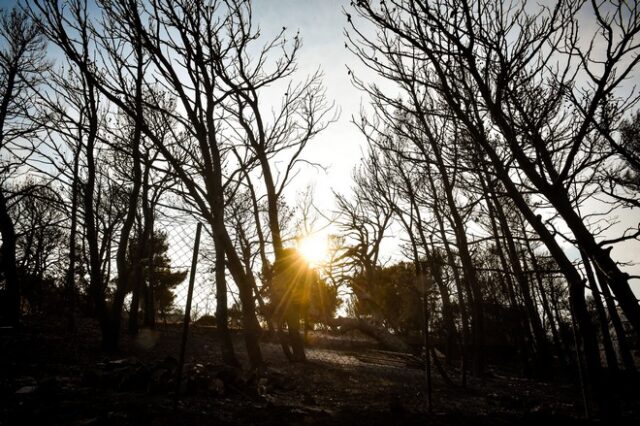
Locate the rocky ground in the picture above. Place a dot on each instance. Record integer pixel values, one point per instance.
(49, 377)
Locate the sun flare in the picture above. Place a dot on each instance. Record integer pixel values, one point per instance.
(313, 248)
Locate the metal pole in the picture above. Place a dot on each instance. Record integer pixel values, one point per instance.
(187, 309)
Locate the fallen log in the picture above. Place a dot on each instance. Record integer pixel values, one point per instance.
(386, 339)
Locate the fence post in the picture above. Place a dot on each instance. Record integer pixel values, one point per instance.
(187, 309)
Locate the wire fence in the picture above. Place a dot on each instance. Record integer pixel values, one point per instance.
(184, 339)
(191, 335)
(180, 238)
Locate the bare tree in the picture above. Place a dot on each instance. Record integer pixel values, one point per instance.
(205, 69)
(511, 76)
(23, 67)
(36, 208)
(523, 88)
(622, 179)
(304, 112)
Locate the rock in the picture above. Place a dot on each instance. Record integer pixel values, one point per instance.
(114, 364)
(87, 422)
(26, 390)
(123, 363)
(27, 381)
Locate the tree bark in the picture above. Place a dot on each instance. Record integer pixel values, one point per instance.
(560, 346)
(470, 280)
(614, 277)
(222, 316)
(542, 347)
(125, 273)
(69, 286)
(623, 344)
(523, 336)
(96, 279)
(464, 317)
(609, 352)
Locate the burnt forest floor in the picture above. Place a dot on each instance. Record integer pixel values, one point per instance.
(50, 377)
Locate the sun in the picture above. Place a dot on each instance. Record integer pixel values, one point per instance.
(313, 248)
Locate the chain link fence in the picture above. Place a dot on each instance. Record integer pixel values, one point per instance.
(340, 351)
(180, 232)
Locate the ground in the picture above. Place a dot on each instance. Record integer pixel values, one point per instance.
(58, 378)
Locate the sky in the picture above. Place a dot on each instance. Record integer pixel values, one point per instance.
(321, 24)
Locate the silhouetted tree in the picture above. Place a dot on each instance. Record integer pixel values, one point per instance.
(158, 279)
(485, 65)
(39, 219)
(23, 67)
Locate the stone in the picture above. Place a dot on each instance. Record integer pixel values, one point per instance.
(25, 390)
